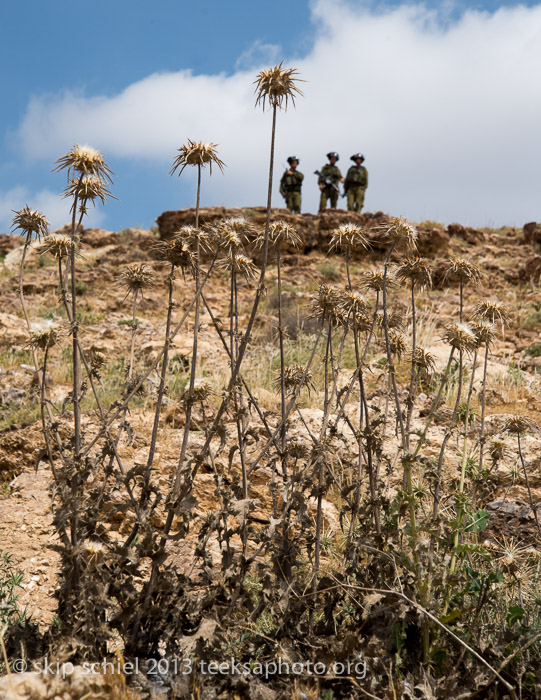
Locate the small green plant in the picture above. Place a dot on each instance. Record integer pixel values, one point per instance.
(10, 581)
(515, 374)
(534, 350)
(80, 288)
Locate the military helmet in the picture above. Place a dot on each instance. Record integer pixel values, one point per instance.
(292, 158)
(357, 155)
(333, 154)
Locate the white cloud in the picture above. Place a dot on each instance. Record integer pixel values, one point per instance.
(447, 114)
(49, 203)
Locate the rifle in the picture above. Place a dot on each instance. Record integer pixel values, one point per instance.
(328, 182)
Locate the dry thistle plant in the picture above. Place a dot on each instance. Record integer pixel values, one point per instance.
(277, 85)
(136, 278)
(349, 237)
(231, 235)
(58, 245)
(86, 161)
(238, 263)
(401, 234)
(397, 343)
(177, 252)
(374, 280)
(423, 360)
(460, 336)
(462, 270)
(281, 232)
(416, 270)
(295, 378)
(87, 189)
(44, 340)
(197, 153)
(30, 223)
(491, 311)
(326, 305)
(353, 303)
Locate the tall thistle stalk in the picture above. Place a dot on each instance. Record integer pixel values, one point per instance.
(275, 86)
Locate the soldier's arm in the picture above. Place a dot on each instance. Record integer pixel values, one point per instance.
(299, 176)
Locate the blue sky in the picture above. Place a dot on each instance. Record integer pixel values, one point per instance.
(437, 95)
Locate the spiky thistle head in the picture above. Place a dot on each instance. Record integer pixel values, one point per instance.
(397, 343)
(400, 233)
(415, 270)
(352, 302)
(190, 236)
(197, 153)
(517, 425)
(375, 280)
(326, 305)
(202, 389)
(86, 161)
(395, 320)
(348, 237)
(57, 244)
(295, 378)
(30, 222)
(92, 551)
(177, 252)
(88, 189)
(498, 450)
(281, 232)
(43, 340)
(491, 311)
(277, 85)
(230, 235)
(239, 264)
(460, 336)
(136, 278)
(484, 332)
(462, 270)
(423, 360)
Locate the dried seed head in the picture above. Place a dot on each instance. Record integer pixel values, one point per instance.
(462, 270)
(423, 360)
(397, 343)
(394, 320)
(484, 332)
(200, 154)
(415, 270)
(177, 252)
(92, 551)
(281, 232)
(375, 280)
(30, 222)
(57, 244)
(326, 305)
(518, 425)
(136, 278)
(400, 233)
(498, 450)
(84, 160)
(189, 235)
(491, 311)
(277, 85)
(353, 303)
(295, 378)
(43, 340)
(348, 237)
(460, 336)
(87, 190)
(359, 322)
(97, 361)
(230, 235)
(238, 263)
(201, 390)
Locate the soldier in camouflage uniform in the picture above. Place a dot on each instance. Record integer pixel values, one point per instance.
(290, 186)
(331, 171)
(356, 183)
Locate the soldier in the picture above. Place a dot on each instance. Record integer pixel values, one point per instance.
(290, 186)
(356, 183)
(333, 174)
